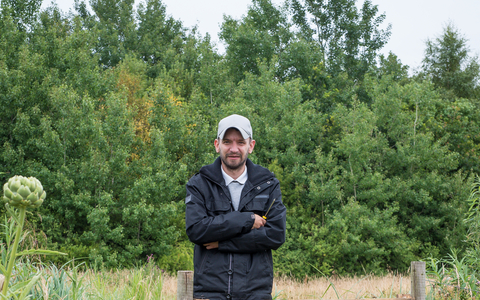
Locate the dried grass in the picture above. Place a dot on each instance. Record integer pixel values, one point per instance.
(125, 284)
(169, 289)
(341, 288)
(322, 288)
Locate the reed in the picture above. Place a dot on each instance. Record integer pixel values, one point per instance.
(69, 283)
(142, 283)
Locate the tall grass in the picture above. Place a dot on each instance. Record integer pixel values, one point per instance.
(139, 283)
(449, 278)
(458, 277)
(452, 278)
(148, 282)
(59, 283)
(70, 283)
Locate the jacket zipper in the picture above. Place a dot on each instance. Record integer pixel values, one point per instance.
(230, 273)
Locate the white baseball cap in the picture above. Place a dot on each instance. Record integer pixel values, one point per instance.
(238, 122)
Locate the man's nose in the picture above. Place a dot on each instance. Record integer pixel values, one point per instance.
(234, 147)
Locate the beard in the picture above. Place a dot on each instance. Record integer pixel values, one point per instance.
(235, 165)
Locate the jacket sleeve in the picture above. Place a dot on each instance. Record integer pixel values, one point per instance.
(202, 228)
(271, 236)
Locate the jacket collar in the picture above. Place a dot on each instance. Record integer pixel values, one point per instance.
(256, 173)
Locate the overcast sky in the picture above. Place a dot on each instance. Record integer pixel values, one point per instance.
(413, 21)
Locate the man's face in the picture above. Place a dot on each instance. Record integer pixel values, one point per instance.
(234, 149)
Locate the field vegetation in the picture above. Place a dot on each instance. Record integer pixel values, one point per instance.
(145, 282)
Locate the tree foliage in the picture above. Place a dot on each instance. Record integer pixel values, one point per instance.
(115, 109)
(456, 76)
(259, 36)
(448, 64)
(349, 38)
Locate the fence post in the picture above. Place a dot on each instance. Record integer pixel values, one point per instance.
(185, 285)
(418, 278)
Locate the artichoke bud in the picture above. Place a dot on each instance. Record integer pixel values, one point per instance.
(16, 197)
(16, 200)
(23, 192)
(39, 189)
(32, 197)
(31, 185)
(14, 185)
(37, 182)
(38, 203)
(8, 193)
(23, 180)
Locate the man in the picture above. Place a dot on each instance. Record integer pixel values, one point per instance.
(235, 217)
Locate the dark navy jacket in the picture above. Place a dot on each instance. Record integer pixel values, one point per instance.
(241, 267)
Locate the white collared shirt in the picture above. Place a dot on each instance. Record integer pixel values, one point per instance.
(235, 186)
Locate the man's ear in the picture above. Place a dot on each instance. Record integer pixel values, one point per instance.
(217, 145)
(251, 146)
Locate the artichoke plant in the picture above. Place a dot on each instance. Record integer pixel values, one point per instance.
(22, 192)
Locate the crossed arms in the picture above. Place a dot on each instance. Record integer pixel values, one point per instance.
(235, 231)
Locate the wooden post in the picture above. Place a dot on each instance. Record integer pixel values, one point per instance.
(418, 278)
(185, 285)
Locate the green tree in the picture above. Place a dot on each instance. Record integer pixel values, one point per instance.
(260, 35)
(349, 39)
(456, 76)
(448, 64)
(114, 111)
(425, 180)
(213, 76)
(298, 59)
(22, 12)
(160, 38)
(115, 28)
(458, 122)
(391, 65)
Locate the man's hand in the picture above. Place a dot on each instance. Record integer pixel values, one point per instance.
(211, 245)
(259, 222)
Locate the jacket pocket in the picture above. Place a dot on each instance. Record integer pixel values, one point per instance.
(201, 261)
(259, 277)
(249, 262)
(268, 259)
(257, 204)
(218, 206)
(202, 265)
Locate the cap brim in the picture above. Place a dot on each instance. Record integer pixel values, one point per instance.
(243, 132)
